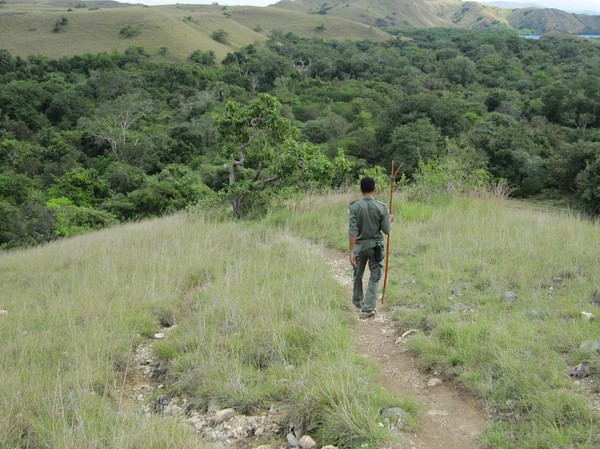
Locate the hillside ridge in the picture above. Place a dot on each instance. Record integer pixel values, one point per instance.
(27, 27)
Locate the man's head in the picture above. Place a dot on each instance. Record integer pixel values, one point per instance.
(367, 185)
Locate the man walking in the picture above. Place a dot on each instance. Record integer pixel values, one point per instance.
(368, 220)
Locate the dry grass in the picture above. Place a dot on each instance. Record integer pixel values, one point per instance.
(26, 28)
(496, 290)
(259, 323)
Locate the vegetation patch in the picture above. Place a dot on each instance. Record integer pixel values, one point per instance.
(268, 326)
(130, 31)
(60, 25)
(504, 299)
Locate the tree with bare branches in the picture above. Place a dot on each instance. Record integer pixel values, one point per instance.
(114, 121)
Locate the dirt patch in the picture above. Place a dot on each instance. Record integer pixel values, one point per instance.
(451, 419)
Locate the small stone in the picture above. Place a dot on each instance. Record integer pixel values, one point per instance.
(434, 381)
(224, 415)
(3, 313)
(455, 293)
(590, 346)
(510, 297)
(395, 412)
(159, 336)
(409, 332)
(556, 279)
(195, 418)
(579, 371)
(260, 431)
(264, 446)
(306, 442)
(329, 446)
(405, 335)
(161, 402)
(292, 440)
(587, 315)
(273, 410)
(460, 307)
(394, 417)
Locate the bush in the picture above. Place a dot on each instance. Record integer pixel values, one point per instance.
(588, 185)
(72, 220)
(129, 31)
(60, 25)
(220, 36)
(206, 58)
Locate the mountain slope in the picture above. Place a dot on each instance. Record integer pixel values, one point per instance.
(27, 29)
(544, 20)
(446, 13)
(394, 13)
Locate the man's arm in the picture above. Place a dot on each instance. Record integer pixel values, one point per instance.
(352, 235)
(386, 222)
(351, 255)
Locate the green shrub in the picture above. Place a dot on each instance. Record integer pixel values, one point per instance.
(60, 25)
(220, 36)
(130, 31)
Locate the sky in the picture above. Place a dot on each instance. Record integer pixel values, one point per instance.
(566, 5)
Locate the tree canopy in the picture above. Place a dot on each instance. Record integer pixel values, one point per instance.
(122, 136)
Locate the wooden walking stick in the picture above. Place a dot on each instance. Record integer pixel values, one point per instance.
(393, 175)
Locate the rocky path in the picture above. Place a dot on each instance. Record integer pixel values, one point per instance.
(451, 418)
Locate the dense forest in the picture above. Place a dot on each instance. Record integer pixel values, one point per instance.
(88, 141)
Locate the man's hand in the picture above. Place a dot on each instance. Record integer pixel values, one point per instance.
(352, 258)
(391, 218)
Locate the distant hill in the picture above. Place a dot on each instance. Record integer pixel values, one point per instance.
(574, 7)
(446, 13)
(382, 13)
(28, 26)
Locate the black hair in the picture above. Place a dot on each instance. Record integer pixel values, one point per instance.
(367, 185)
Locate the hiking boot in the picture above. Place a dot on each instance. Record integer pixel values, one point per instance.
(368, 314)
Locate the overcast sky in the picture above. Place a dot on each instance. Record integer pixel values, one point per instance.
(566, 5)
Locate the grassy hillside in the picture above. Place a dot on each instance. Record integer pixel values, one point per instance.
(27, 28)
(272, 18)
(404, 13)
(259, 322)
(445, 13)
(496, 291)
(545, 20)
(475, 15)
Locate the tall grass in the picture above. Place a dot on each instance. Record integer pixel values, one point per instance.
(497, 290)
(259, 322)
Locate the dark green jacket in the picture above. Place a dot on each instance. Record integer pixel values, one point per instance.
(368, 220)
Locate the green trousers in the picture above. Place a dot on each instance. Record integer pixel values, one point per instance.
(367, 303)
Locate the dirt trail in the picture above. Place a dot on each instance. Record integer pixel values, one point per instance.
(451, 418)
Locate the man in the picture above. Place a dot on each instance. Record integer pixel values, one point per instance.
(368, 220)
